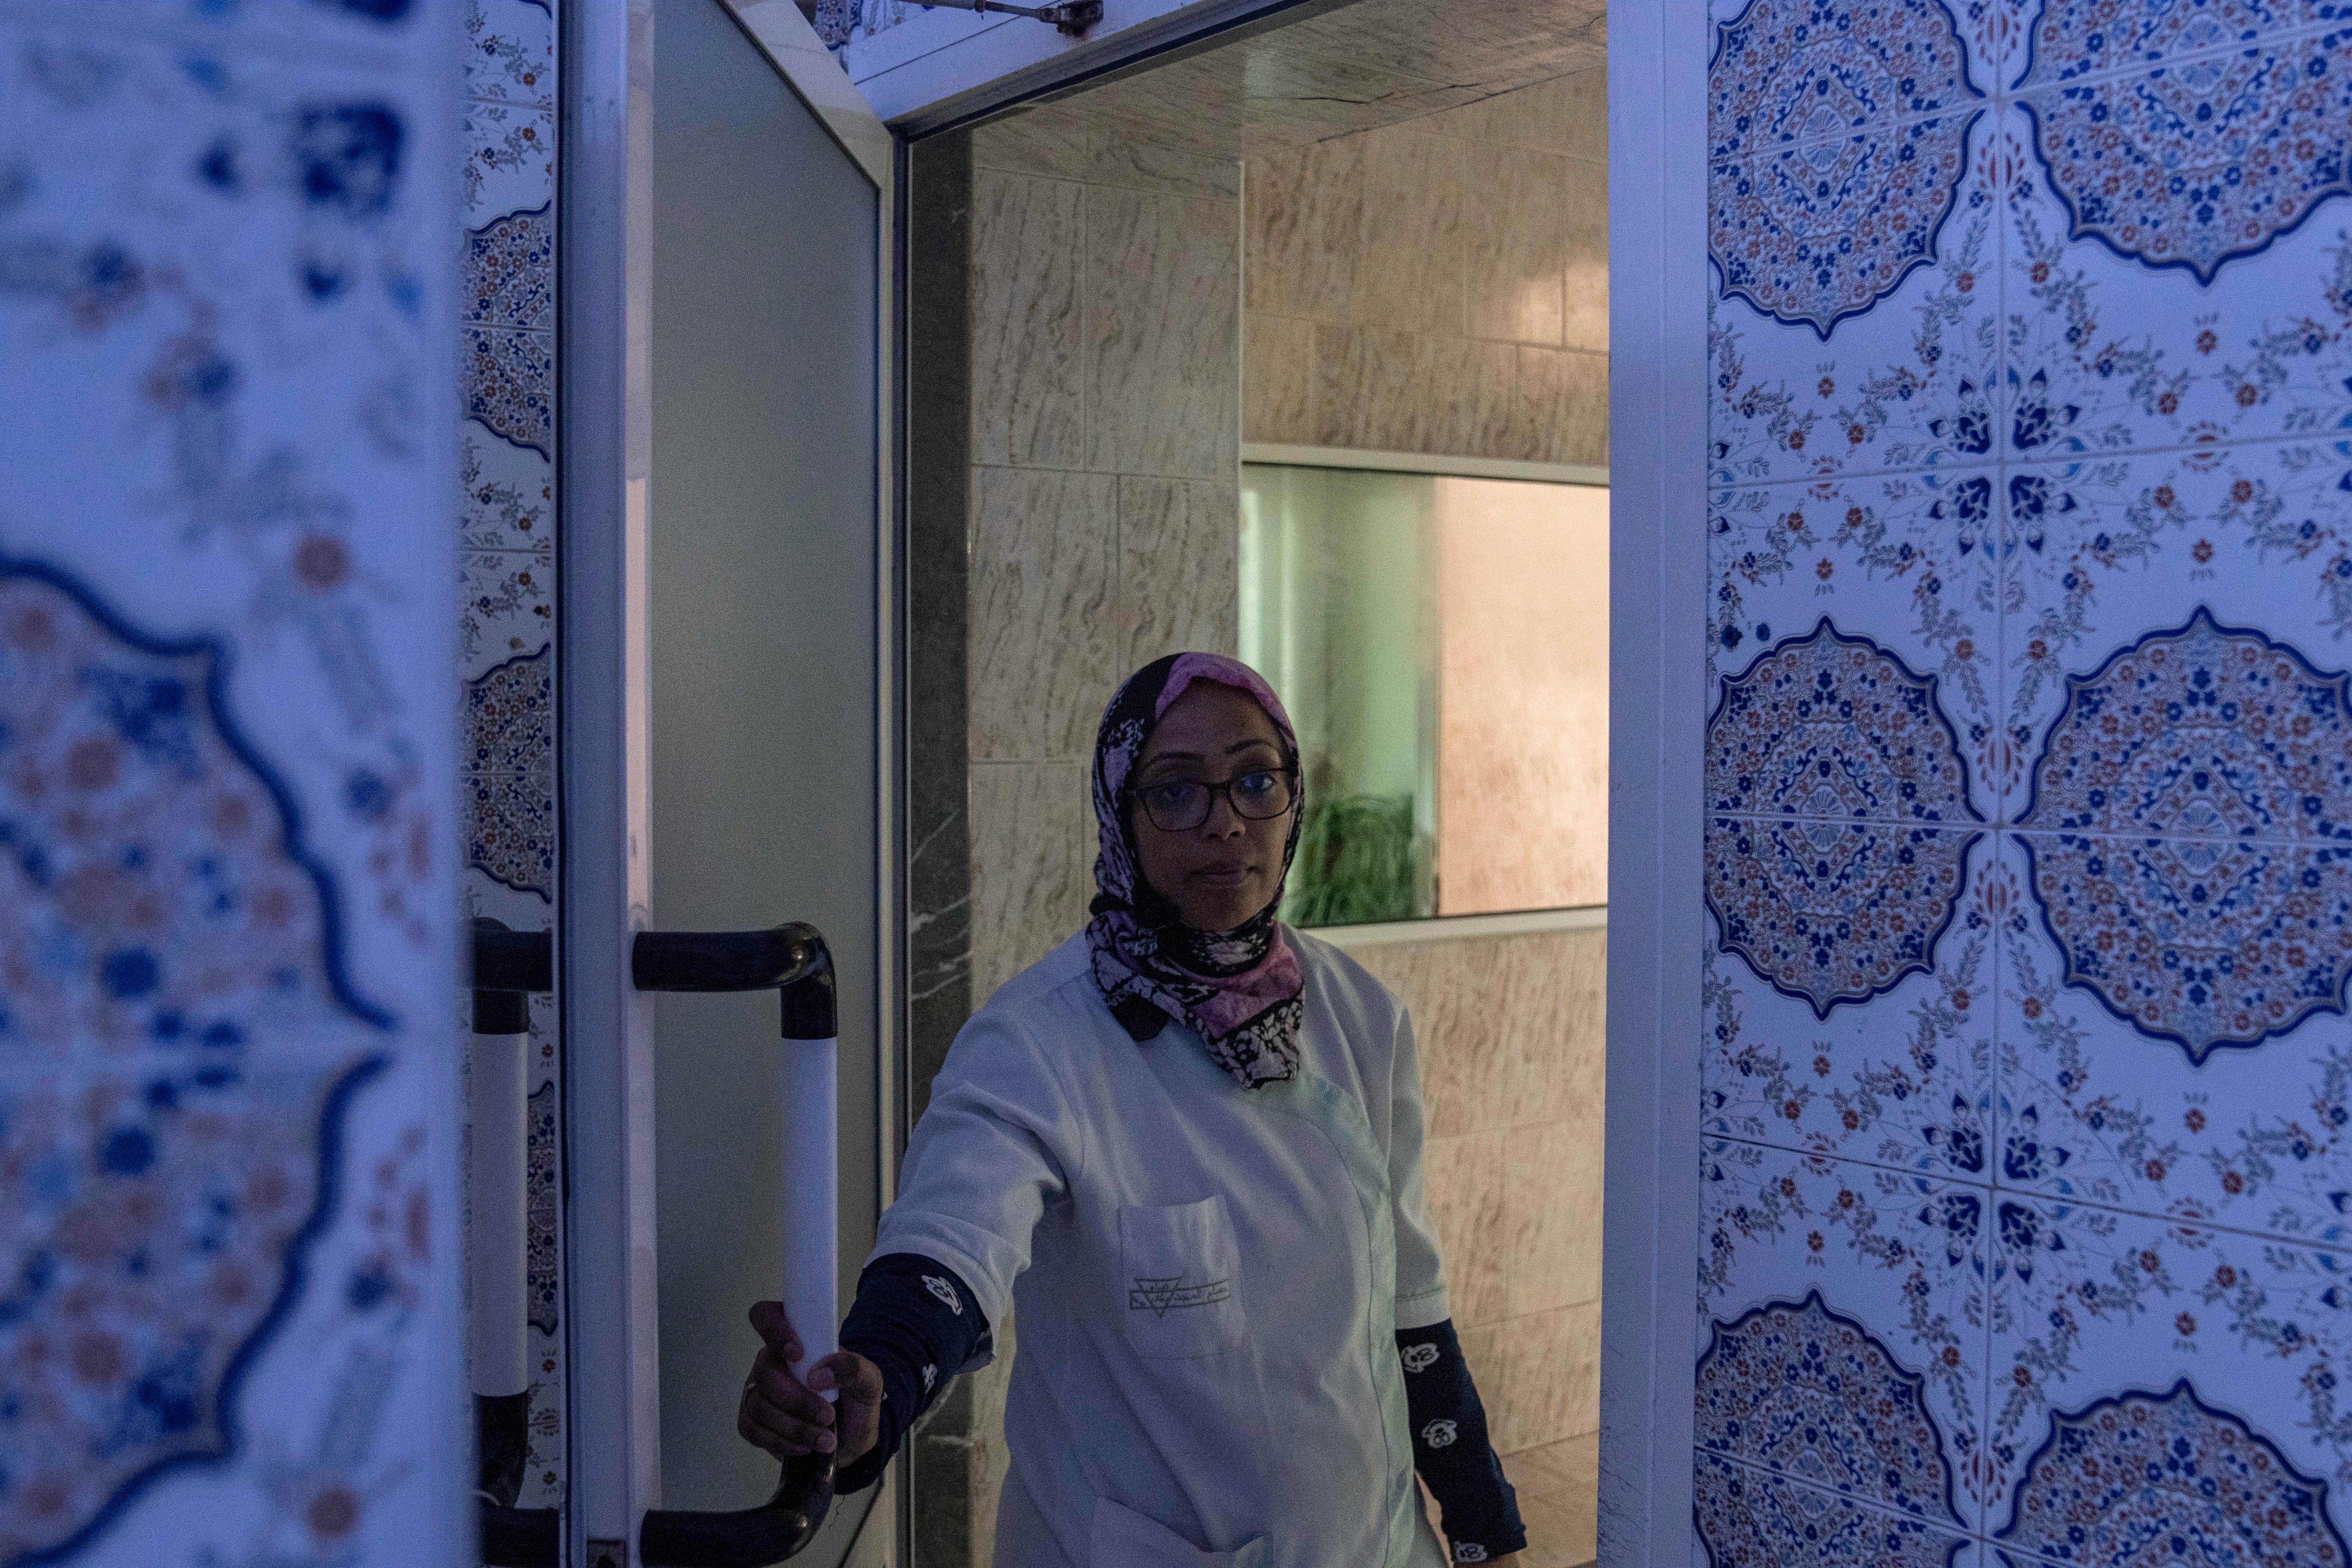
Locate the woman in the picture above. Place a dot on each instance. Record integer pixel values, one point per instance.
(1189, 1144)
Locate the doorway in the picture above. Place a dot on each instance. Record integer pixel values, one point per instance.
(1294, 347)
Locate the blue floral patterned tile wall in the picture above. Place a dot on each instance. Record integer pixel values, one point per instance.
(2155, 1380)
(226, 895)
(2029, 758)
(507, 531)
(1880, 1398)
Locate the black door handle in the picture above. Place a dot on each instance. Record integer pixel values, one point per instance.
(748, 1537)
(793, 961)
(508, 967)
(790, 959)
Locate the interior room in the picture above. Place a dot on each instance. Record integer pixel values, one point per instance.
(1775, 576)
(1297, 348)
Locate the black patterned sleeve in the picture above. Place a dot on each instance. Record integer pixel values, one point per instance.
(1476, 1508)
(915, 1320)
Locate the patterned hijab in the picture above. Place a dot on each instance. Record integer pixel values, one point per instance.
(1240, 988)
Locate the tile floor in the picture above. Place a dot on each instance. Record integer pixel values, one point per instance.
(1558, 1486)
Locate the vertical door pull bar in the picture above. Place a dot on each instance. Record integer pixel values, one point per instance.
(510, 967)
(793, 960)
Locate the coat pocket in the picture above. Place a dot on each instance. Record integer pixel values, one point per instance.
(1122, 1538)
(1181, 1273)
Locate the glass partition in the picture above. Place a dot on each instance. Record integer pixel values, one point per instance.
(1442, 643)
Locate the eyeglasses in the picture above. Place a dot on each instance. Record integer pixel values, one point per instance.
(1180, 806)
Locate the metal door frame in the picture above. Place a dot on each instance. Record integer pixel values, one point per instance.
(1658, 380)
(604, 405)
(1658, 397)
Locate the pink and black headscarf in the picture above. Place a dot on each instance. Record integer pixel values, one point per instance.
(1239, 989)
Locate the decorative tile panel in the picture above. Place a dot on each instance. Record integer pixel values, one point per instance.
(1833, 1271)
(510, 385)
(510, 154)
(226, 296)
(1838, 140)
(505, 534)
(1793, 1387)
(2106, 354)
(510, 51)
(1915, 1093)
(2142, 1473)
(1834, 727)
(509, 774)
(1885, 590)
(2100, 1318)
(1833, 912)
(2082, 474)
(2090, 38)
(2194, 164)
(1787, 74)
(509, 271)
(1821, 232)
(1753, 1519)
(2203, 730)
(2107, 554)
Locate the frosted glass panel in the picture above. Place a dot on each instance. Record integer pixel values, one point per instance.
(1442, 645)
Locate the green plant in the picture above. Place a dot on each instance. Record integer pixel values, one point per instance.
(1355, 862)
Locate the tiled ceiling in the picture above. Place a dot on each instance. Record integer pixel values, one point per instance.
(1335, 71)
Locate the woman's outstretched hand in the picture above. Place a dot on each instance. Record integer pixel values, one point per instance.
(786, 1417)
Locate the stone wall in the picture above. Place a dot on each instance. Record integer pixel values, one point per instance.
(1438, 286)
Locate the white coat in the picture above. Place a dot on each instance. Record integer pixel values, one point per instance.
(1207, 1280)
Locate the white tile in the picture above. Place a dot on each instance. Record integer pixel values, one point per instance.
(1754, 1516)
(2152, 1380)
(510, 159)
(1847, 1320)
(1901, 569)
(2139, 315)
(2103, 554)
(510, 51)
(1853, 326)
(508, 497)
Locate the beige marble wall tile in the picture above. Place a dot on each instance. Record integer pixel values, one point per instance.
(1357, 232)
(1559, 1493)
(1489, 42)
(1411, 278)
(1551, 1467)
(1510, 1029)
(1560, 1534)
(1162, 334)
(1551, 1214)
(1448, 988)
(1041, 640)
(1581, 114)
(1559, 1044)
(1303, 230)
(1277, 378)
(1049, 140)
(1027, 368)
(1406, 391)
(1116, 156)
(1516, 227)
(1033, 851)
(1568, 114)
(1551, 1377)
(1179, 567)
(1563, 404)
(1584, 202)
(1467, 1181)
